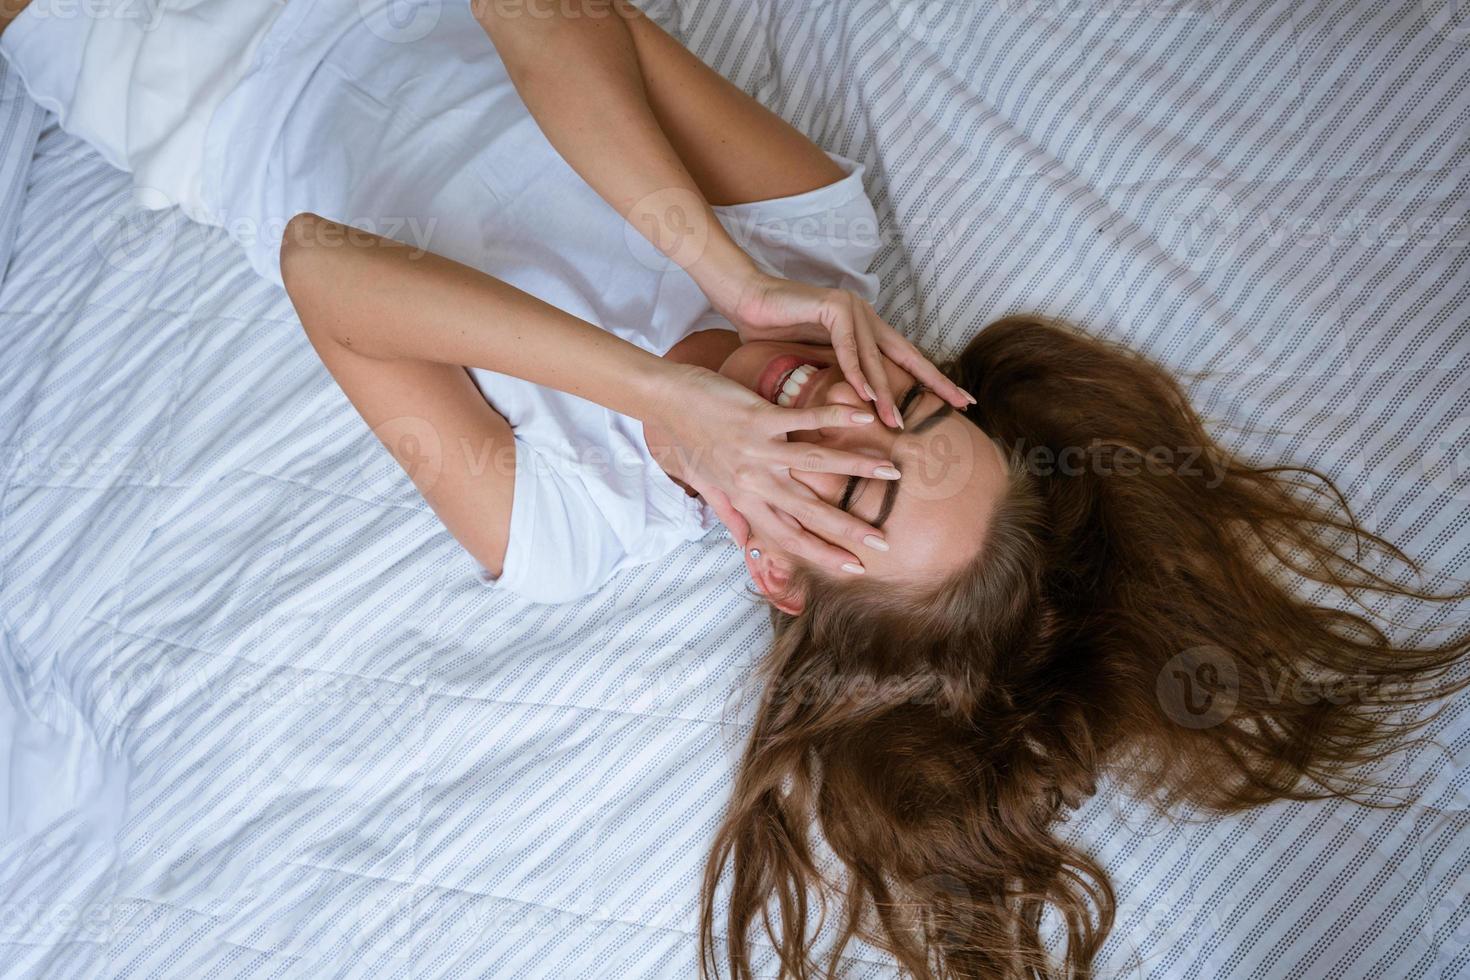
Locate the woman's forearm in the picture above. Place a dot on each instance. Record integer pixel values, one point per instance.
(575, 66)
(382, 299)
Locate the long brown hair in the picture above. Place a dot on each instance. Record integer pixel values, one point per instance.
(1136, 611)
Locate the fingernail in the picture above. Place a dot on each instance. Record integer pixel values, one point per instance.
(852, 569)
(875, 542)
(864, 417)
(899, 419)
(887, 472)
(872, 397)
(973, 399)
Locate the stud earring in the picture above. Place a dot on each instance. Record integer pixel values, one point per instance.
(755, 554)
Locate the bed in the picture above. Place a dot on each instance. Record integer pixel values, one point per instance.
(259, 721)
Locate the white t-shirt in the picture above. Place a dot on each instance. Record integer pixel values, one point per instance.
(140, 81)
(409, 127)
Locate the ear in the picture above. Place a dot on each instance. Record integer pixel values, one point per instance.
(772, 574)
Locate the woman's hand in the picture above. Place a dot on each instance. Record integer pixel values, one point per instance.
(769, 308)
(730, 446)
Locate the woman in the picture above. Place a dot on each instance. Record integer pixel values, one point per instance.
(322, 111)
(1029, 607)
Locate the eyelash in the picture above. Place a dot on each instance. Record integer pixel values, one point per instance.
(903, 404)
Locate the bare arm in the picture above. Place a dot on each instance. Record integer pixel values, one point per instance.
(557, 55)
(613, 94)
(394, 327)
(9, 10)
(658, 134)
(381, 299)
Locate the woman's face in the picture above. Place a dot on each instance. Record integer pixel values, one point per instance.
(933, 517)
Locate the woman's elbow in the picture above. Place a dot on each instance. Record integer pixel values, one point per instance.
(296, 249)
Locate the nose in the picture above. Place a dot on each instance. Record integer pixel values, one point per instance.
(873, 440)
(839, 392)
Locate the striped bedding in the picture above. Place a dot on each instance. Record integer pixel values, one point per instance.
(258, 722)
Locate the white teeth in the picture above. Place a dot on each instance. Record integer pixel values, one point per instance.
(786, 397)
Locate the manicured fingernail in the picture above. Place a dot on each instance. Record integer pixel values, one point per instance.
(898, 419)
(973, 399)
(887, 472)
(864, 417)
(852, 569)
(872, 397)
(875, 542)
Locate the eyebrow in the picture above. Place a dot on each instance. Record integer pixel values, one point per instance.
(890, 492)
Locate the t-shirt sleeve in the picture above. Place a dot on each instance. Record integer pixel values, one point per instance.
(826, 237)
(561, 548)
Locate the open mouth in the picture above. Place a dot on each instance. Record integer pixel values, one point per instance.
(784, 378)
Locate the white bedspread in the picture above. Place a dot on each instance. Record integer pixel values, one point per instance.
(257, 723)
